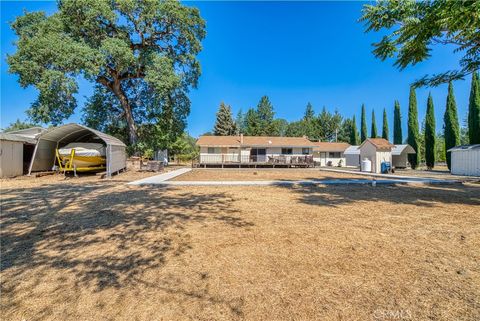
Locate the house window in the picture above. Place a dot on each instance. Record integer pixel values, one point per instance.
(211, 150)
(305, 151)
(334, 154)
(287, 151)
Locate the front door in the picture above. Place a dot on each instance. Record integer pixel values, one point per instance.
(258, 155)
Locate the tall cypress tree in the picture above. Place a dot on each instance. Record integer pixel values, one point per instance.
(430, 134)
(363, 125)
(224, 124)
(451, 126)
(474, 111)
(385, 125)
(373, 132)
(397, 124)
(354, 139)
(413, 133)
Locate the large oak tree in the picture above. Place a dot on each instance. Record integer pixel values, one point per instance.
(141, 54)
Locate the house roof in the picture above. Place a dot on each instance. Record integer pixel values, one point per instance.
(379, 143)
(399, 149)
(330, 147)
(464, 148)
(261, 141)
(352, 150)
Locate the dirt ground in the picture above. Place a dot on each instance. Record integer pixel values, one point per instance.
(102, 250)
(260, 175)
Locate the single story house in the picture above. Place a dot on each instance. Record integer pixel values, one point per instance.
(44, 154)
(377, 150)
(352, 156)
(329, 154)
(257, 150)
(400, 155)
(465, 160)
(16, 150)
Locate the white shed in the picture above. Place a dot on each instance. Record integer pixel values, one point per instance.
(400, 155)
(15, 153)
(56, 137)
(465, 160)
(377, 150)
(352, 156)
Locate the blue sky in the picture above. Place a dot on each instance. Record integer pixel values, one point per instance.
(292, 52)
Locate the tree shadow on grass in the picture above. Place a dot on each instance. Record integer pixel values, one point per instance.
(106, 236)
(424, 195)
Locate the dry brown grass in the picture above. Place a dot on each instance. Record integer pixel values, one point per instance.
(106, 251)
(261, 175)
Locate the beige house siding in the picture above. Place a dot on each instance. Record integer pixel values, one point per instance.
(11, 158)
(242, 154)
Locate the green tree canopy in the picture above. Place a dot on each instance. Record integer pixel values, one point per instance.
(240, 122)
(474, 111)
(309, 113)
(385, 125)
(451, 125)
(252, 123)
(18, 125)
(397, 124)
(224, 124)
(430, 134)
(363, 125)
(265, 116)
(413, 133)
(373, 131)
(413, 27)
(141, 53)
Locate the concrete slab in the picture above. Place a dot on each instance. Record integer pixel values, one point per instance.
(161, 178)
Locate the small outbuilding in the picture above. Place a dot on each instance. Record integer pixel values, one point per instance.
(465, 160)
(16, 150)
(377, 150)
(352, 156)
(44, 154)
(400, 155)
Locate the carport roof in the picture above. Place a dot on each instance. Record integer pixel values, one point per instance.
(57, 134)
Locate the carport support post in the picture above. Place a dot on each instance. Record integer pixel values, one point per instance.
(33, 158)
(109, 158)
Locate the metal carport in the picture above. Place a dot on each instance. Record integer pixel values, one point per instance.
(44, 155)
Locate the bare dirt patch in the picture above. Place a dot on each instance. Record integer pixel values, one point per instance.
(261, 175)
(107, 251)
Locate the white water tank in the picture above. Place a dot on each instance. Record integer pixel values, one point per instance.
(366, 165)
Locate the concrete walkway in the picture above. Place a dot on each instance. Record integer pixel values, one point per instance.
(392, 176)
(158, 179)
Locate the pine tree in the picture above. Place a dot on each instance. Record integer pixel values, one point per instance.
(373, 132)
(309, 113)
(397, 124)
(363, 125)
(430, 134)
(474, 111)
(385, 125)
(251, 123)
(354, 139)
(240, 122)
(451, 125)
(413, 135)
(224, 124)
(265, 114)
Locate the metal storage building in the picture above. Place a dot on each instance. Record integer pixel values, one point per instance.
(352, 156)
(56, 137)
(14, 152)
(400, 155)
(465, 160)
